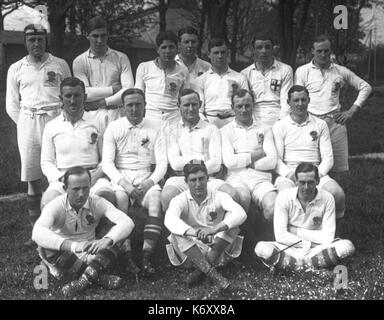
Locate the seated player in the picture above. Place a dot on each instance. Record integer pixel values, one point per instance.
(217, 85)
(204, 227)
(74, 138)
(192, 138)
(302, 137)
(304, 224)
(249, 154)
(65, 234)
(131, 146)
(162, 80)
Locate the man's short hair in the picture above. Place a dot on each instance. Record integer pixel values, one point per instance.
(241, 93)
(96, 22)
(166, 35)
(132, 91)
(188, 30)
(186, 92)
(194, 166)
(72, 82)
(262, 38)
(75, 171)
(297, 88)
(321, 38)
(217, 42)
(307, 167)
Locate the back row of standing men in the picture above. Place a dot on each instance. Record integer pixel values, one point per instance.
(33, 99)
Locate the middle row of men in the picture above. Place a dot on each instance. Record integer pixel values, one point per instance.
(129, 159)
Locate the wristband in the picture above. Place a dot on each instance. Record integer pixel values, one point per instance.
(73, 247)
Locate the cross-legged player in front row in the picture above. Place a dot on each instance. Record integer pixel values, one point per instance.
(204, 227)
(131, 146)
(304, 225)
(65, 234)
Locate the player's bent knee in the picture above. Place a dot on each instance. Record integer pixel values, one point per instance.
(268, 206)
(344, 249)
(264, 250)
(167, 195)
(47, 197)
(107, 195)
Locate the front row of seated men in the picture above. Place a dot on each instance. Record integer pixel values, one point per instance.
(132, 147)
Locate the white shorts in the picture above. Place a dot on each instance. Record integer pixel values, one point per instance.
(135, 177)
(181, 185)
(30, 127)
(106, 116)
(339, 140)
(179, 244)
(256, 182)
(322, 182)
(219, 122)
(159, 120)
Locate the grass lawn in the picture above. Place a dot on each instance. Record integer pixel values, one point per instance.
(364, 225)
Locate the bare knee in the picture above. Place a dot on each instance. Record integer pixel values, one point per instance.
(344, 248)
(264, 250)
(107, 195)
(47, 197)
(268, 205)
(153, 203)
(167, 195)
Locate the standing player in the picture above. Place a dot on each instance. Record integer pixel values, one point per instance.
(32, 100)
(161, 80)
(106, 73)
(217, 85)
(324, 79)
(188, 44)
(269, 81)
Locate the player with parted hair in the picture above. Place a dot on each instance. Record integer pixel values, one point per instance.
(65, 234)
(217, 85)
(324, 80)
(161, 80)
(131, 147)
(304, 224)
(106, 73)
(302, 137)
(204, 227)
(249, 154)
(32, 100)
(269, 80)
(74, 138)
(193, 138)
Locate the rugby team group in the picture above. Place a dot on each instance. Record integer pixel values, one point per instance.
(192, 142)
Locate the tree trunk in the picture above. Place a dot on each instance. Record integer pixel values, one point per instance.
(217, 17)
(234, 33)
(162, 14)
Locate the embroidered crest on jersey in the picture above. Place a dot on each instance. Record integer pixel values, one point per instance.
(260, 138)
(317, 221)
(212, 215)
(94, 136)
(51, 79)
(275, 84)
(90, 219)
(172, 86)
(233, 86)
(314, 135)
(145, 142)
